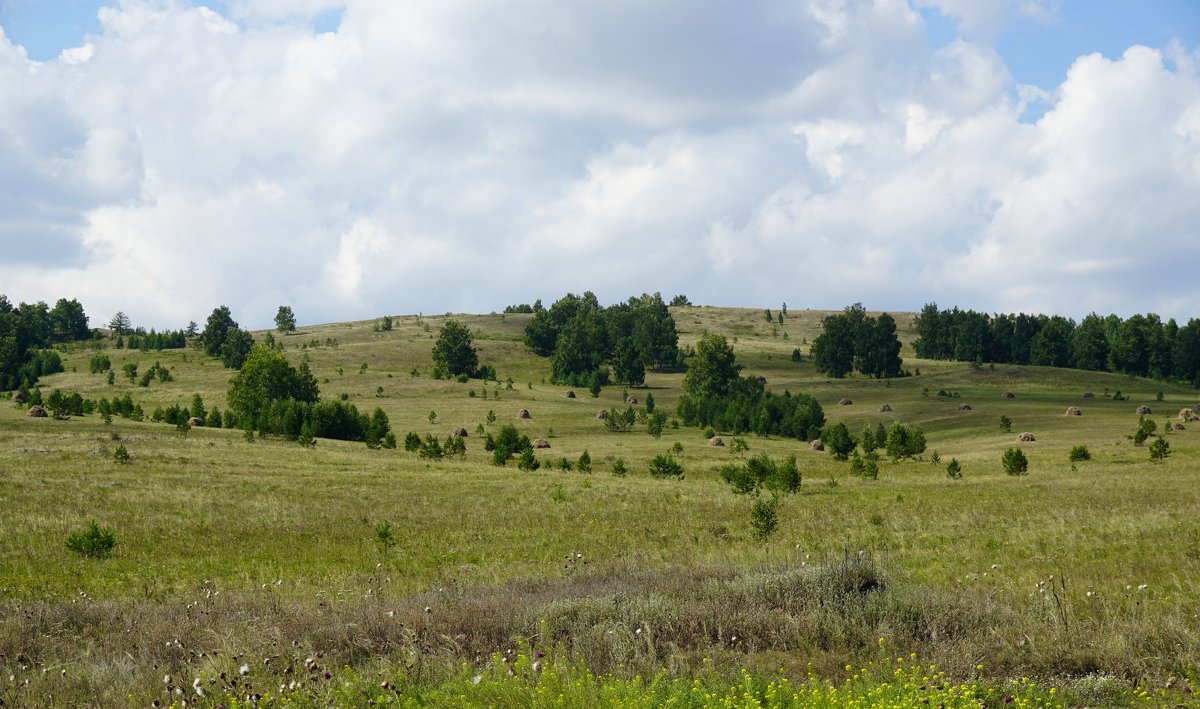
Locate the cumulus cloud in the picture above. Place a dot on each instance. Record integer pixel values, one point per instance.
(454, 155)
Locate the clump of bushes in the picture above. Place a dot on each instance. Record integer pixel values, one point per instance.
(1015, 462)
(1079, 453)
(94, 542)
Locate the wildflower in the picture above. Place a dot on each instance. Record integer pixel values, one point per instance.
(1142, 587)
(244, 669)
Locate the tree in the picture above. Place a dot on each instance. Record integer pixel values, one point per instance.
(68, 321)
(266, 377)
(236, 346)
(453, 353)
(220, 322)
(285, 319)
(1089, 344)
(680, 300)
(833, 350)
(1015, 462)
(712, 370)
(1159, 450)
(904, 441)
(120, 324)
(838, 440)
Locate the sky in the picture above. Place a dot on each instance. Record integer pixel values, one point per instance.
(354, 158)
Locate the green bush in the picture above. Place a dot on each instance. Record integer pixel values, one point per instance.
(121, 456)
(1080, 452)
(94, 542)
(665, 466)
(528, 461)
(954, 469)
(1015, 462)
(619, 469)
(838, 440)
(764, 517)
(904, 441)
(585, 462)
(1159, 450)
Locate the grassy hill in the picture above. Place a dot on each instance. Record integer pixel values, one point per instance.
(1081, 575)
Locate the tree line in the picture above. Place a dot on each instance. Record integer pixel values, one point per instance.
(854, 341)
(27, 330)
(583, 340)
(1140, 345)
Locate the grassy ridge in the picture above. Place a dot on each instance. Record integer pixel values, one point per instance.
(286, 534)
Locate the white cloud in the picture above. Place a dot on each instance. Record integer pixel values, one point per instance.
(454, 155)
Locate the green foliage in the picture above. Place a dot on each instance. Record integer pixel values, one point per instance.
(453, 352)
(655, 423)
(713, 369)
(1015, 462)
(94, 542)
(431, 448)
(377, 428)
(838, 441)
(867, 440)
(223, 339)
(852, 340)
(584, 464)
(796, 356)
(1146, 428)
(385, 537)
(507, 443)
(1005, 424)
(764, 517)
(665, 466)
(412, 442)
(99, 363)
(1159, 450)
(285, 319)
(266, 377)
(954, 469)
(1079, 453)
(619, 469)
(904, 441)
(762, 472)
(680, 301)
(620, 420)
(528, 461)
(121, 455)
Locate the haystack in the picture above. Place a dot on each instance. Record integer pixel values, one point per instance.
(570, 393)
(36, 412)
(845, 402)
(1143, 410)
(523, 414)
(19, 397)
(885, 408)
(716, 441)
(817, 445)
(1187, 415)
(1073, 411)
(1088, 395)
(602, 414)
(540, 443)
(195, 421)
(1008, 395)
(1026, 437)
(964, 407)
(631, 401)
(1177, 427)
(459, 432)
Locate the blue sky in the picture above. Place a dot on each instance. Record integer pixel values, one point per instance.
(359, 157)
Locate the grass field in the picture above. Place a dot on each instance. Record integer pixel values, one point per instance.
(1081, 578)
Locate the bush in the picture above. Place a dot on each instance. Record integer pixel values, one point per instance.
(953, 469)
(412, 442)
(764, 517)
(528, 461)
(1159, 450)
(904, 441)
(1006, 424)
(619, 469)
(585, 462)
(838, 440)
(121, 455)
(1079, 452)
(1015, 462)
(94, 542)
(665, 466)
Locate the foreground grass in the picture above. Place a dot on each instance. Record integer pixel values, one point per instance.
(234, 549)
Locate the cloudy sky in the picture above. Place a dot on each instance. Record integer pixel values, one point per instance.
(359, 157)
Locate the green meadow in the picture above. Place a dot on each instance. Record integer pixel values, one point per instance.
(254, 572)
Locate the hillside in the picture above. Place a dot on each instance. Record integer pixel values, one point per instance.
(1076, 570)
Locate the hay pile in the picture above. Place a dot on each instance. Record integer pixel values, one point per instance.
(36, 412)
(195, 421)
(817, 445)
(1026, 437)
(845, 402)
(541, 443)
(632, 401)
(602, 414)
(1187, 415)
(1008, 395)
(1143, 410)
(1088, 395)
(459, 432)
(1073, 411)
(570, 393)
(19, 397)
(523, 414)
(716, 441)
(964, 407)
(885, 408)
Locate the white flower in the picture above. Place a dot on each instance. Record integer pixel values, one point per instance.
(244, 669)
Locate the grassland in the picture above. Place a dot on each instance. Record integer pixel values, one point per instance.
(230, 552)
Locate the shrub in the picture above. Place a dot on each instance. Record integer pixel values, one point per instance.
(904, 441)
(739, 478)
(1006, 424)
(953, 469)
(384, 537)
(655, 423)
(1159, 450)
(121, 456)
(528, 461)
(619, 469)
(412, 442)
(870, 470)
(665, 466)
(585, 462)
(430, 448)
(1015, 462)
(565, 464)
(738, 445)
(1079, 452)
(764, 517)
(95, 542)
(838, 440)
